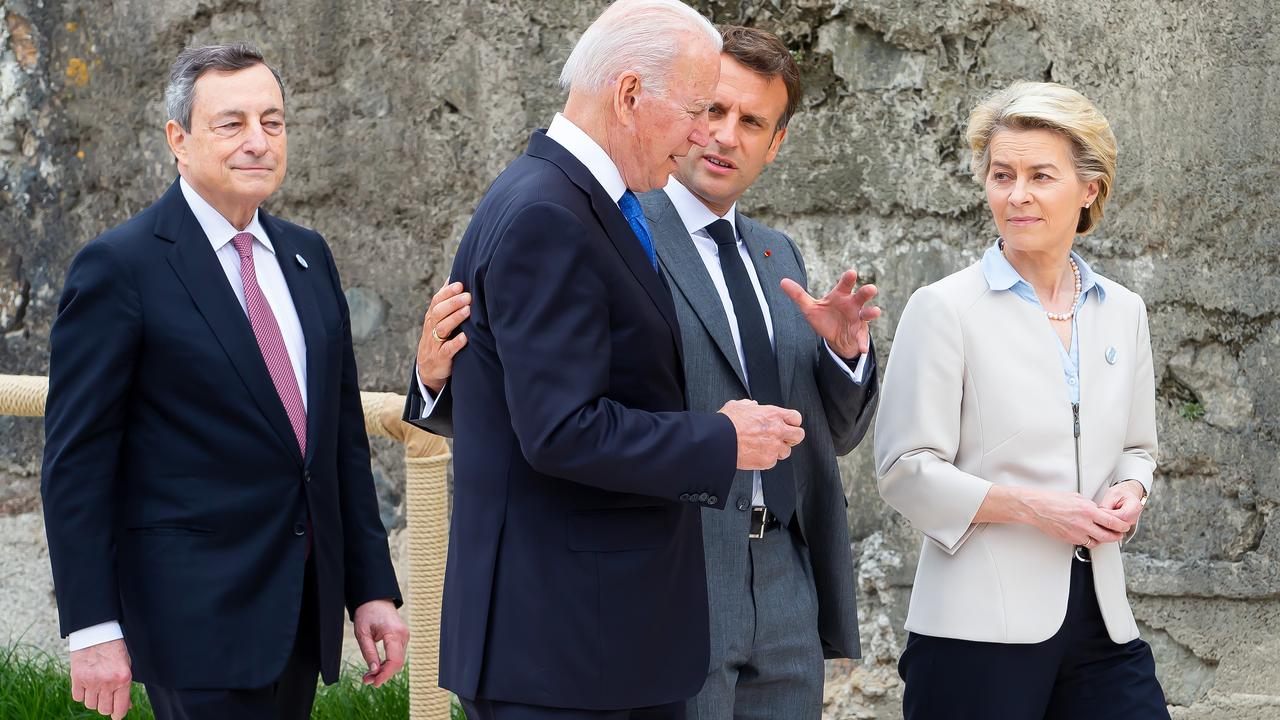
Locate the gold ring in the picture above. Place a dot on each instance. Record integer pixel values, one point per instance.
(437, 337)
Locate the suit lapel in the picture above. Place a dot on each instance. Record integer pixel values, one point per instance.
(302, 288)
(770, 270)
(683, 264)
(197, 267)
(615, 226)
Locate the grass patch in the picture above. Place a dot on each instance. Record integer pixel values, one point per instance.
(1191, 411)
(350, 699)
(36, 686)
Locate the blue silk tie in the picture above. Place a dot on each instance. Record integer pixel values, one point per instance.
(630, 206)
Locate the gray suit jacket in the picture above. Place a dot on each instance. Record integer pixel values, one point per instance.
(836, 411)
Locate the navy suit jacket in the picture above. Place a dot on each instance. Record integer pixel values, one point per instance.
(575, 575)
(176, 500)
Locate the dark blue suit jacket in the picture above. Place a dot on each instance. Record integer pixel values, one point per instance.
(175, 498)
(575, 574)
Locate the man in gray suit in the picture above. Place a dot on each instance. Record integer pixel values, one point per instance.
(780, 573)
(779, 567)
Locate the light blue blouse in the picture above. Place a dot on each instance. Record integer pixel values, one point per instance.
(1001, 276)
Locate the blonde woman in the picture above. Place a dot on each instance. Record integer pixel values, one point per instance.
(1017, 433)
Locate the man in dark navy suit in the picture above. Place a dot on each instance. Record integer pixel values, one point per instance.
(208, 498)
(576, 584)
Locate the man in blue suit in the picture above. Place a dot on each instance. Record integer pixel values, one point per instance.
(780, 577)
(208, 498)
(576, 584)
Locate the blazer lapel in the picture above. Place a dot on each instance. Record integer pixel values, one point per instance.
(301, 284)
(683, 264)
(615, 226)
(770, 271)
(197, 266)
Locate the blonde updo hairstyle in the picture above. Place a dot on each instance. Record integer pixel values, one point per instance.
(1053, 107)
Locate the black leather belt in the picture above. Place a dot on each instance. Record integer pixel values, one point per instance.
(762, 521)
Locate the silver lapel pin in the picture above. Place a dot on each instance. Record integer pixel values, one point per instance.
(301, 261)
(1112, 354)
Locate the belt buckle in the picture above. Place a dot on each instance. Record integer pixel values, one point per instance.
(759, 518)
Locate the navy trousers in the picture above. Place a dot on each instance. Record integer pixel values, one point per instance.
(288, 698)
(494, 710)
(1078, 674)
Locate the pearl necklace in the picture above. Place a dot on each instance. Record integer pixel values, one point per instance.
(1075, 273)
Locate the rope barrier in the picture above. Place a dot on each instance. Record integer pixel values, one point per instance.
(426, 466)
(23, 395)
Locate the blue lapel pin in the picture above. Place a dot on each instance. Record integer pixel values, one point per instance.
(1112, 354)
(301, 261)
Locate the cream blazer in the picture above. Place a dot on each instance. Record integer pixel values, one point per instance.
(974, 395)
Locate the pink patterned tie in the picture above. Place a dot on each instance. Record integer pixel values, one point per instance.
(270, 341)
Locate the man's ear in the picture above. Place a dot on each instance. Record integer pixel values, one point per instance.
(775, 145)
(177, 138)
(626, 97)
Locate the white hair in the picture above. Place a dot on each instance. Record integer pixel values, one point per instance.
(643, 36)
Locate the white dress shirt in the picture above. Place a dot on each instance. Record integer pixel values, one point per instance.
(696, 217)
(271, 280)
(266, 267)
(602, 168)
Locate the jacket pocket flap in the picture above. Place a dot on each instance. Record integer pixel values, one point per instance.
(168, 530)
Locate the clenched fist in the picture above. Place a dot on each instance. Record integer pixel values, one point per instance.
(766, 433)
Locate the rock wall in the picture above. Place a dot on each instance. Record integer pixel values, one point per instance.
(402, 112)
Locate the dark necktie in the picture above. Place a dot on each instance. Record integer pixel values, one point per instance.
(762, 366)
(629, 204)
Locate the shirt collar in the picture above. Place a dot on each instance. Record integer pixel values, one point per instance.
(1001, 275)
(693, 213)
(589, 153)
(215, 226)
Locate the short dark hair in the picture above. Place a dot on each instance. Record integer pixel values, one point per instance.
(180, 94)
(763, 53)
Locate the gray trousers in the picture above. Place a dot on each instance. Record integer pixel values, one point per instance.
(773, 668)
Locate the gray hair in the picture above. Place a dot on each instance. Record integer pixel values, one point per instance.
(180, 93)
(643, 36)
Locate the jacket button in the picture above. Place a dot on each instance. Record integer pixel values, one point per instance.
(306, 476)
(712, 500)
(702, 497)
(299, 529)
(742, 504)
(684, 497)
